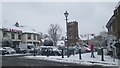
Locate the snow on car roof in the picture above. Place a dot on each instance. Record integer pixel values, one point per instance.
(53, 47)
(1, 48)
(6, 47)
(48, 46)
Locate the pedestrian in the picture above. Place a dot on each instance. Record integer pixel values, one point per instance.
(92, 51)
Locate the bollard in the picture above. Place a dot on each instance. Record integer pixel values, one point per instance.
(73, 53)
(67, 52)
(34, 52)
(102, 55)
(62, 53)
(80, 54)
(47, 53)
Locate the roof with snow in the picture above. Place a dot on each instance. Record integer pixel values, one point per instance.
(24, 29)
(10, 26)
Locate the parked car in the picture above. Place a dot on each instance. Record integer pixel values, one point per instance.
(3, 51)
(50, 50)
(26, 48)
(9, 50)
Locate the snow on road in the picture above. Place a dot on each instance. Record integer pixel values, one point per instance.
(86, 59)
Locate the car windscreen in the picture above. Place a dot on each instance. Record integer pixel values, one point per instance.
(29, 47)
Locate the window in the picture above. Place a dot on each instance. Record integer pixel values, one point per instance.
(19, 36)
(29, 36)
(4, 34)
(34, 37)
(13, 36)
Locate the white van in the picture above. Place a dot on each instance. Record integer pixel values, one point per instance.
(26, 48)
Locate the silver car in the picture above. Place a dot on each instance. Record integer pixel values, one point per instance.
(9, 50)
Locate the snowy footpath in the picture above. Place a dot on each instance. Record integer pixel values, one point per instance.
(86, 59)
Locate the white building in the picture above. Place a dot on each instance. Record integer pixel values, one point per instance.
(29, 35)
(18, 34)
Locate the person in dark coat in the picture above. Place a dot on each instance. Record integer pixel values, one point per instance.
(92, 51)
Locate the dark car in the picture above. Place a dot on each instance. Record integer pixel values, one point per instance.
(3, 51)
(49, 51)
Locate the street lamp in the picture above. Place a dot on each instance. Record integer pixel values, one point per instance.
(66, 16)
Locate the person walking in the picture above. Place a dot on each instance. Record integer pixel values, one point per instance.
(92, 51)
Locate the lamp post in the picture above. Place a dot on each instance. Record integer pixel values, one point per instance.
(66, 18)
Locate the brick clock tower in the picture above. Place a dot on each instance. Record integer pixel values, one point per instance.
(72, 33)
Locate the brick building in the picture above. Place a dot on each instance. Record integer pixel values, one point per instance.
(72, 33)
(113, 25)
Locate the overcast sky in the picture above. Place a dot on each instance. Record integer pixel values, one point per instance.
(91, 16)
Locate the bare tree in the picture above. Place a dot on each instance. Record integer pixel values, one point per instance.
(55, 32)
(46, 36)
(40, 35)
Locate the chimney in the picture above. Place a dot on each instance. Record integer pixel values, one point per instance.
(17, 24)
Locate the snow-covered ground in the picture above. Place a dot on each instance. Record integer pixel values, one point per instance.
(86, 59)
(14, 54)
